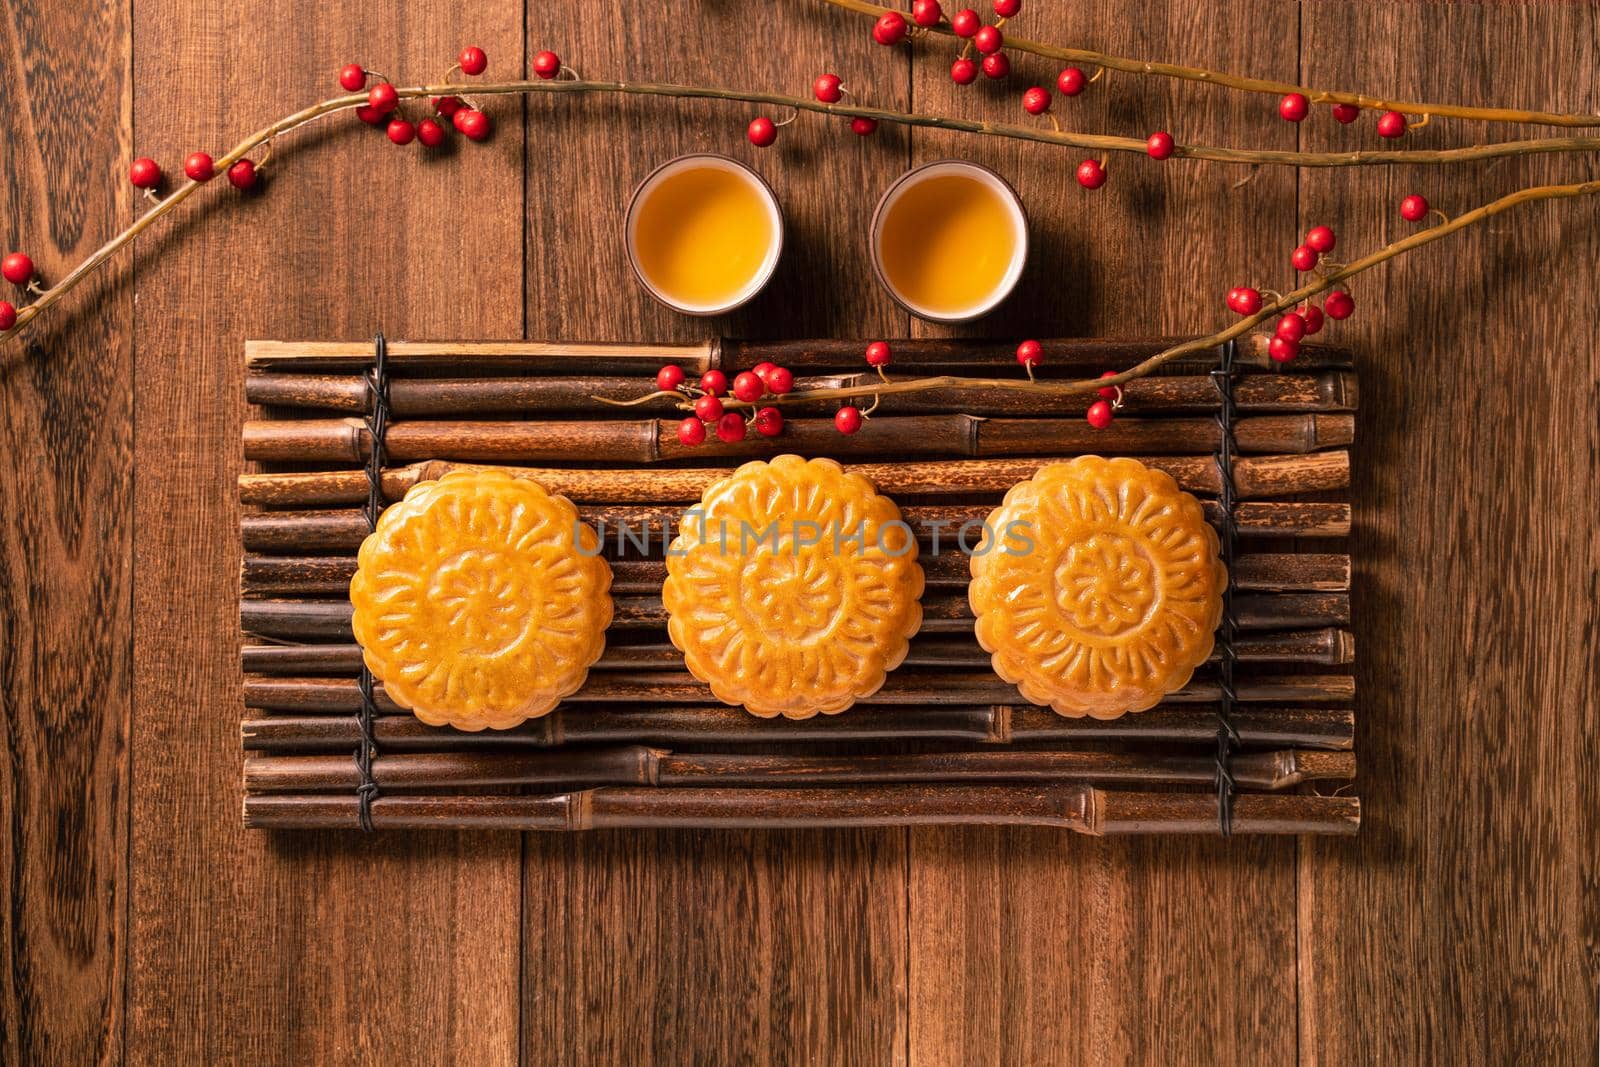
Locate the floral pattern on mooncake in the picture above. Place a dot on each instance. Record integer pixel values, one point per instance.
(1108, 598)
(481, 600)
(793, 589)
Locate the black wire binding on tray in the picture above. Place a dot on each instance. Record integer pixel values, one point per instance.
(1227, 733)
(377, 419)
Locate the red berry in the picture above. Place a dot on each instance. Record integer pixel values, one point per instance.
(1159, 145)
(242, 175)
(826, 88)
(761, 370)
(769, 422)
(199, 167)
(890, 28)
(1244, 300)
(1108, 392)
(669, 378)
(878, 354)
(430, 133)
(546, 64)
(1346, 113)
(383, 98)
(1312, 316)
(863, 127)
(926, 12)
(1030, 353)
(965, 23)
(473, 124)
(1072, 81)
(691, 432)
(714, 382)
(1391, 124)
(1292, 326)
(1036, 101)
(447, 106)
(963, 72)
(144, 173)
(370, 115)
(1414, 208)
(1339, 305)
(1100, 414)
(8, 316)
(779, 381)
(709, 408)
(352, 78)
(761, 132)
(988, 40)
(847, 420)
(731, 428)
(1007, 9)
(401, 131)
(748, 387)
(1282, 349)
(996, 66)
(1304, 258)
(1294, 107)
(1091, 175)
(1321, 238)
(473, 60)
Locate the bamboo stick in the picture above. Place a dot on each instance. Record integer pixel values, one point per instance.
(904, 687)
(1329, 728)
(1065, 357)
(941, 613)
(652, 441)
(1081, 808)
(1328, 646)
(312, 576)
(1323, 391)
(642, 765)
(1254, 477)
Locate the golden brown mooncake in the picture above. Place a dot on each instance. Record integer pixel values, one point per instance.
(481, 600)
(1108, 597)
(793, 589)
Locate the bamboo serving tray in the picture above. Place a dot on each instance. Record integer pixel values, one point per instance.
(945, 741)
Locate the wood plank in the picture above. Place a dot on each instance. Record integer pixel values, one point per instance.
(250, 947)
(1027, 948)
(1459, 927)
(66, 411)
(710, 947)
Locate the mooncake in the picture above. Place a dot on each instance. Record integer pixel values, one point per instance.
(793, 589)
(1097, 588)
(480, 600)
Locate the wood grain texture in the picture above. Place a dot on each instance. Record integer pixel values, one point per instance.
(248, 947)
(65, 545)
(1461, 926)
(1001, 971)
(738, 944)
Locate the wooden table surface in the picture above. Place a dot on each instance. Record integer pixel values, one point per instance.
(139, 922)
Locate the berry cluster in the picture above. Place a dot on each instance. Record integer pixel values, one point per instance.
(1294, 107)
(1100, 414)
(383, 102)
(764, 379)
(1307, 319)
(827, 88)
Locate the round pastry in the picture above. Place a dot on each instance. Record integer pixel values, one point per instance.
(793, 588)
(1097, 587)
(481, 600)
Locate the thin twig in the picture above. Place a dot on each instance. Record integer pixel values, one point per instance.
(1097, 142)
(1259, 85)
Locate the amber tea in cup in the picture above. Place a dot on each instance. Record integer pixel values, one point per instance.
(949, 240)
(704, 233)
